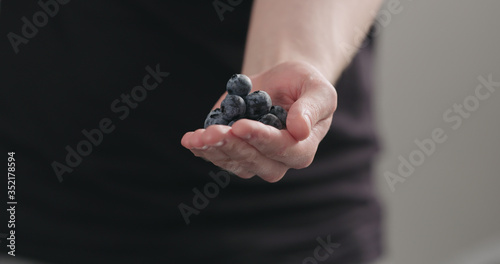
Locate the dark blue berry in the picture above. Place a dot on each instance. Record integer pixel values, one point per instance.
(233, 107)
(239, 84)
(258, 104)
(215, 118)
(280, 113)
(272, 120)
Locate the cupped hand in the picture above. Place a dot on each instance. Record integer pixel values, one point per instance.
(250, 148)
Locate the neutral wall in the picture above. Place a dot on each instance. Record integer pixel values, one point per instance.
(429, 58)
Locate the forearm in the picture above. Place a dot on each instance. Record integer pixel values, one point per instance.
(320, 32)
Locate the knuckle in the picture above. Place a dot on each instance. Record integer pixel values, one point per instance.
(281, 152)
(274, 177)
(223, 163)
(314, 82)
(245, 175)
(247, 154)
(238, 170)
(315, 110)
(304, 163)
(198, 154)
(325, 88)
(238, 166)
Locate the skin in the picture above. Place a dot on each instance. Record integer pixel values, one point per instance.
(295, 51)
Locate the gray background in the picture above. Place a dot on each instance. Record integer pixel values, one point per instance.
(429, 57)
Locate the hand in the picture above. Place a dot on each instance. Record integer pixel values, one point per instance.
(250, 148)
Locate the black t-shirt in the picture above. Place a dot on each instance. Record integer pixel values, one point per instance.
(101, 92)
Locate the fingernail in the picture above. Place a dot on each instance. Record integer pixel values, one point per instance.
(218, 144)
(307, 119)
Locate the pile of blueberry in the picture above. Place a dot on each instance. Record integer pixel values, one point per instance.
(239, 104)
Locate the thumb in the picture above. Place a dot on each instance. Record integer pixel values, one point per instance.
(314, 105)
(298, 121)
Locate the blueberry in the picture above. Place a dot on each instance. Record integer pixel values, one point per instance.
(215, 118)
(280, 113)
(258, 104)
(233, 107)
(239, 84)
(272, 120)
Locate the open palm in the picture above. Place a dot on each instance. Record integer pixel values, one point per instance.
(250, 148)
